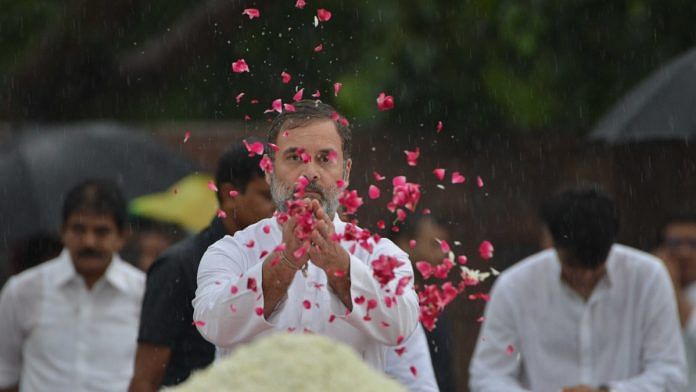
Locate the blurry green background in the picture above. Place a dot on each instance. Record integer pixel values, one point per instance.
(483, 66)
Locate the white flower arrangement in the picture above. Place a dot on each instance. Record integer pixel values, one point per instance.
(290, 362)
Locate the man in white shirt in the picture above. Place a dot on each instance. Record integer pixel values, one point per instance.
(678, 251)
(587, 315)
(70, 324)
(306, 271)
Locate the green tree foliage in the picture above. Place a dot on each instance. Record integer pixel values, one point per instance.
(478, 65)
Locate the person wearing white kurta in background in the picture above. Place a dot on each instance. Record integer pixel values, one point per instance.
(678, 250)
(70, 323)
(587, 315)
(243, 295)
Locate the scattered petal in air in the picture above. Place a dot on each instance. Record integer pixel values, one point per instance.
(332, 156)
(340, 184)
(324, 15)
(373, 192)
(439, 127)
(486, 250)
(494, 272)
(399, 340)
(239, 97)
(289, 107)
(414, 371)
(285, 77)
(425, 269)
(254, 149)
(479, 181)
(266, 229)
(247, 117)
(412, 244)
(339, 273)
(300, 4)
(187, 136)
(332, 317)
(212, 186)
(412, 156)
(337, 88)
(273, 147)
(439, 173)
(385, 102)
(400, 351)
(266, 164)
(306, 304)
(277, 105)
(263, 254)
(457, 178)
(316, 94)
(319, 48)
(444, 246)
(381, 225)
(481, 319)
(240, 66)
(510, 349)
(254, 101)
(199, 323)
(462, 260)
(259, 311)
(426, 211)
(298, 95)
(234, 289)
(378, 177)
(249, 244)
(251, 13)
(221, 214)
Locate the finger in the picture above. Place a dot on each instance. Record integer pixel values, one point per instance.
(319, 240)
(323, 229)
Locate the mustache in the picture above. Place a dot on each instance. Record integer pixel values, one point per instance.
(314, 187)
(89, 253)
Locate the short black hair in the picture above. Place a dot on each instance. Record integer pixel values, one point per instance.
(583, 221)
(408, 228)
(236, 167)
(305, 112)
(99, 196)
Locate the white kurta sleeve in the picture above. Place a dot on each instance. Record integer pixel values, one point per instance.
(492, 368)
(12, 338)
(416, 354)
(395, 316)
(229, 296)
(664, 361)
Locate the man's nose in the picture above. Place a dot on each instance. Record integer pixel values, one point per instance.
(89, 238)
(310, 171)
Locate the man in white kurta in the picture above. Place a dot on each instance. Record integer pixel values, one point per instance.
(248, 287)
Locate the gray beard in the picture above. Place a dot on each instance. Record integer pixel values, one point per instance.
(282, 194)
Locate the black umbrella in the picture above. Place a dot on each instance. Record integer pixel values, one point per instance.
(39, 166)
(659, 108)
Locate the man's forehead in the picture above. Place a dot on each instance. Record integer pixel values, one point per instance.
(91, 217)
(319, 135)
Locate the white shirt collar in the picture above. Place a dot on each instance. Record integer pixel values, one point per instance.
(65, 272)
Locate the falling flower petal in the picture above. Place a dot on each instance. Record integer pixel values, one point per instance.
(251, 13)
(256, 148)
(340, 183)
(378, 177)
(332, 317)
(373, 192)
(300, 4)
(381, 225)
(298, 95)
(247, 117)
(462, 260)
(510, 349)
(439, 127)
(234, 193)
(266, 229)
(332, 156)
(444, 246)
(212, 186)
(399, 339)
(385, 102)
(285, 77)
(187, 136)
(319, 48)
(234, 289)
(306, 304)
(457, 178)
(277, 105)
(289, 107)
(412, 156)
(412, 244)
(426, 211)
(479, 181)
(239, 97)
(250, 244)
(481, 319)
(323, 15)
(273, 147)
(251, 284)
(486, 250)
(337, 87)
(240, 66)
(198, 323)
(400, 351)
(414, 371)
(350, 200)
(316, 94)
(425, 269)
(221, 214)
(439, 173)
(259, 311)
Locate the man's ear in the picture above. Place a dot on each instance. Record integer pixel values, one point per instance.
(346, 173)
(267, 175)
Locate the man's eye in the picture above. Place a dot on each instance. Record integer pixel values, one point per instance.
(293, 157)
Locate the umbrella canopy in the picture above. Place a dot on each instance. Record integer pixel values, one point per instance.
(38, 167)
(659, 108)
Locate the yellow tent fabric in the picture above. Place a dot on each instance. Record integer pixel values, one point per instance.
(189, 203)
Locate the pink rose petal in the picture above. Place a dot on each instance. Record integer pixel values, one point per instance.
(300, 4)
(221, 214)
(298, 95)
(285, 77)
(239, 97)
(479, 181)
(212, 186)
(234, 193)
(187, 136)
(486, 250)
(373, 192)
(324, 15)
(457, 178)
(412, 156)
(240, 66)
(439, 127)
(385, 102)
(337, 87)
(251, 13)
(319, 48)
(377, 176)
(439, 173)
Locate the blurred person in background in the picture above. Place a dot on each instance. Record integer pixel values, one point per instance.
(70, 324)
(148, 239)
(587, 315)
(678, 250)
(428, 351)
(169, 345)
